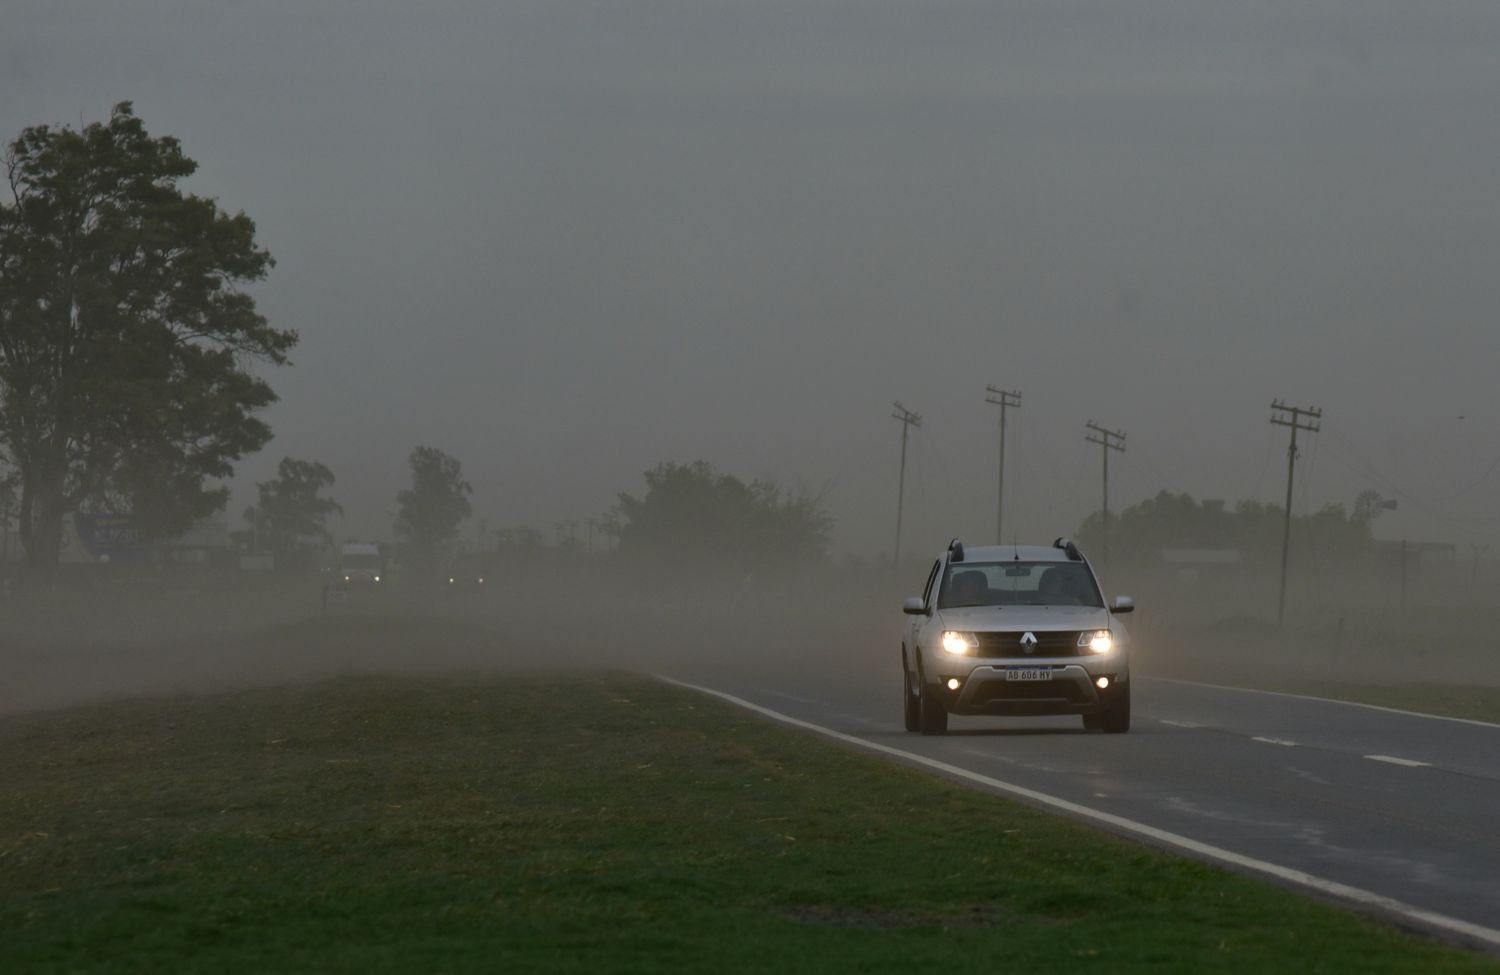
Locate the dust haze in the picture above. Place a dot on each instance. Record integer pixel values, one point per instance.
(104, 635)
(570, 242)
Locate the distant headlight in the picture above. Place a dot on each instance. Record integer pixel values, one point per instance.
(1099, 641)
(346, 578)
(377, 578)
(962, 644)
(451, 580)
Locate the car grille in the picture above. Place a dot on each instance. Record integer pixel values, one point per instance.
(1049, 644)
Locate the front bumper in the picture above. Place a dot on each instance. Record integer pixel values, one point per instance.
(986, 688)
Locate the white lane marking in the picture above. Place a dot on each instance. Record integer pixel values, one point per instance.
(1275, 741)
(1331, 888)
(1307, 776)
(792, 697)
(1179, 724)
(1393, 760)
(1328, 700)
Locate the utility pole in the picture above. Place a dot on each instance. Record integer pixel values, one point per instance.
(1293, 416)
(1108, 440)
(1404, 563)
(908, 420)
(1005, 400)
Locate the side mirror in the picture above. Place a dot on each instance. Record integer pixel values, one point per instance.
(914, 606)
(1124, 604)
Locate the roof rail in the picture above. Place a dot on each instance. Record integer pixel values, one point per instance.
(1068, 546)
(955, 551)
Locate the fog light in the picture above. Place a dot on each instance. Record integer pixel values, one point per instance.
(1103, 682)
(952, 683)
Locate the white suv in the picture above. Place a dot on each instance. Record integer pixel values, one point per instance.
(1015, 630)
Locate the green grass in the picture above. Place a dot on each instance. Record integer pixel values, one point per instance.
(570, 824)
(1475, 702)
(1383, 653)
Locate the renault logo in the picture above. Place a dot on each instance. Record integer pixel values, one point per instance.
(1029, 642)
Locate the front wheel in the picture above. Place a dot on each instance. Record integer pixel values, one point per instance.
(1116, 720)
(934, 717)
(911, 704)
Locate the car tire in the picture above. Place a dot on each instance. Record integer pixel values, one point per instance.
(934, 717)
(911, 704)
(1116, 719)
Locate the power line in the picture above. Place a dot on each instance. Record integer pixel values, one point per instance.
(1021, 455)
(1307, 518)
(1359, 465)
(1482, 478)
(908, 420)
(1005, 400)
(1290, 416)
(1058, 472)
(1107, 440)
(1264, 466)
(1146, 456)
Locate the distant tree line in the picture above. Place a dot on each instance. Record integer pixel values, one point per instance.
(429, 512)
(1140, 532)
(289, 521)
(127, 385)
(694, 517)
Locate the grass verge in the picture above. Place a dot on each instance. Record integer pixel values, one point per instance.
(1473, 702)
(1457, 671)
(562, 824)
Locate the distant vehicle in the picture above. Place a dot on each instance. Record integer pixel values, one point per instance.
(360, 563)
(466, 573)
(1014, 630)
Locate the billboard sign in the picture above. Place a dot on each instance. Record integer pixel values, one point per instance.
(104, 538)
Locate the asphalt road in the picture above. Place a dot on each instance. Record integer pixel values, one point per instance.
(1394, 805)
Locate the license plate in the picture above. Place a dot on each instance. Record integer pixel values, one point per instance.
(1029, 673)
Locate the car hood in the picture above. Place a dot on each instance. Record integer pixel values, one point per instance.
(990, 618)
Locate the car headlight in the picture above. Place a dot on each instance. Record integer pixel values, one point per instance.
(1099, 641)
(962, 644)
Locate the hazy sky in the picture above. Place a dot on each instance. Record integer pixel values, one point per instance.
(567, 240)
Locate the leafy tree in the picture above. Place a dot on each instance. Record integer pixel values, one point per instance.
(290, 515)
(691, 514)
(125, 339)
(1138, 534)
(9, 504)
(429, 512)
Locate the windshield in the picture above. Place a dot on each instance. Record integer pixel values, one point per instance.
(361, 561)
(1018, 584)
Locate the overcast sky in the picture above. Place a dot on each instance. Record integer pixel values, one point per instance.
(566, 240)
